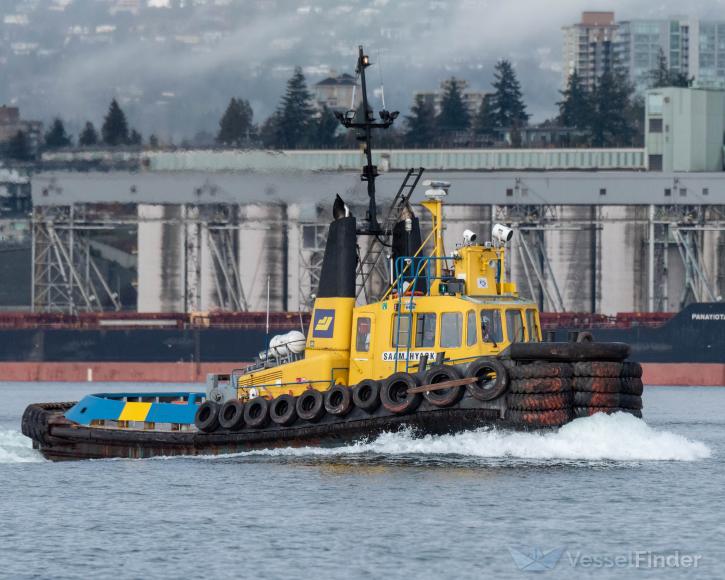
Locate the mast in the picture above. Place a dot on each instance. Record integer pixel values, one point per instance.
(366, 125)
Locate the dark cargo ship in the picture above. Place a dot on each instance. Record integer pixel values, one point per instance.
(687, 348)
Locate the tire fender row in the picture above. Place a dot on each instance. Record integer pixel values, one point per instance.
(551, 393)
(538, 393)
(393, 394)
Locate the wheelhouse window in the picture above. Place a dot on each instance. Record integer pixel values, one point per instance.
(401, 330)
(491, 329)
(532, 325)
(451, 329)
(471, 337)
(515, 326)
(362, 335)
(425, 330)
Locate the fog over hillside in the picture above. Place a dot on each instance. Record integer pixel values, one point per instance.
(174, 64)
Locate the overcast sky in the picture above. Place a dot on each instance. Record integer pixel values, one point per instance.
(178, 92)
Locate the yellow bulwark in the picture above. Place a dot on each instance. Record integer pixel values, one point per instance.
(468, 310)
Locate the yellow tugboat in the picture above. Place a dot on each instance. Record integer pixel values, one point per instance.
(449, 346)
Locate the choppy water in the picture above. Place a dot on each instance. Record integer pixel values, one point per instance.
(650, 493)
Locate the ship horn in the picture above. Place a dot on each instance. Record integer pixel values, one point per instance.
(339, 208)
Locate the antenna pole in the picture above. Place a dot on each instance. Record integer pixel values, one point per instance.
(267, 325)
(366, 125)
(370, 171)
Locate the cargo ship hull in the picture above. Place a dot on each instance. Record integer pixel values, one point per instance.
(683, 349)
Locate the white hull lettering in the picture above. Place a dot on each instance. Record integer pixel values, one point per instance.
(392, 356)
(703, 316)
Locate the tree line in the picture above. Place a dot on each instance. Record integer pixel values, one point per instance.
(610, 114)
(605, 115)
(115, 132)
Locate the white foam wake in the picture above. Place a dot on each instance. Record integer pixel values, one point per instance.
(618, 437)
(17, 448)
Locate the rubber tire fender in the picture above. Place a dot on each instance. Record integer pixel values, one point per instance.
(541, 386)
(589, 399)
(394, 395)
(366, 395)
(540, 370)
(631, 369)
(338, 400)
(569, 351)
(256, 413)
(439, 374)
(597, 384)
(595, 399)
(283, 410)
(539, 418)
(547, 402)
(206, 417)
(487, 389)
(311, 405)
(231, 415)
(631, 386)
(598, 369)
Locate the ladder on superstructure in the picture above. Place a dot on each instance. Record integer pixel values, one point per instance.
(372, 258)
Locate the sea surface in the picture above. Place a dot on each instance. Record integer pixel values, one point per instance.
(603, 497)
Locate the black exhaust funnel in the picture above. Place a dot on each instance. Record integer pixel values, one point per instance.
(337, 278)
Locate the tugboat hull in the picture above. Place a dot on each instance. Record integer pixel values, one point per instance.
(59, 439)
(542, 386)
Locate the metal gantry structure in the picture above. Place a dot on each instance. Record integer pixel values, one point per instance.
(684, 227)
(221, 229)
(678, 254)
(311, 253)
(66, 276)
(531, 222)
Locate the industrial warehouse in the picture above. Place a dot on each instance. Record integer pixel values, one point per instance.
(597, 230)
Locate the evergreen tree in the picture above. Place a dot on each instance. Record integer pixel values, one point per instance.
(575, 108)
(19, 147)
(235, 126)
(420, 123)
(326, 130)
(510, 109)
(89, 136)
(664, 76)
(153, 141)
(661, 74)
(295, 115)
(636, 118)
(680, 79)
(56, 137)
(485, 122)
(135, 138)
(268, 132)
(454, 114)
(115, 126)
(611, 123)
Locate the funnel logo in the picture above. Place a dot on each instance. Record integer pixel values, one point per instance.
(535, 559)
(324, 324)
